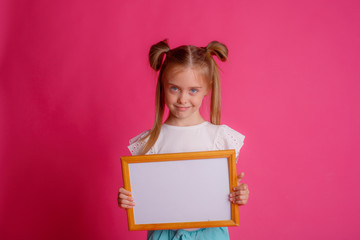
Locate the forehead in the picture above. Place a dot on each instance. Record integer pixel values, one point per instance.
(184, 76)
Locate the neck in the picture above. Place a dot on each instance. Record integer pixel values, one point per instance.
(184, 122)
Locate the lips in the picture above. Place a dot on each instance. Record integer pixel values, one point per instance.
(182, 108)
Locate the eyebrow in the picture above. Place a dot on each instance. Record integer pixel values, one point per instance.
(177, 85)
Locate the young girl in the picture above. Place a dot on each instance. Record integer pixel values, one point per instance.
(187, 75)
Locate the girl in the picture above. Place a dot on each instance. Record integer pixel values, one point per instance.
(186, 76)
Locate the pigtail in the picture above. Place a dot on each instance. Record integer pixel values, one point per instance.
(220, 51)
(156, 54)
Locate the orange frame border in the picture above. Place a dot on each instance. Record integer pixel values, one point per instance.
(229, 154)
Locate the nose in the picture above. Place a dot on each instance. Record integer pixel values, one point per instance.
(182, 99)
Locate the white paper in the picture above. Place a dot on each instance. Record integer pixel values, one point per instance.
(181, 191)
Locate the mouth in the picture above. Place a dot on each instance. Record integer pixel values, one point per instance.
(182, 108)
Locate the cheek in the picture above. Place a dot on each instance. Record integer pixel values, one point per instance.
(169, 97)
(198, 100)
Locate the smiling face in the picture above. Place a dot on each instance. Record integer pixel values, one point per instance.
(184, 90)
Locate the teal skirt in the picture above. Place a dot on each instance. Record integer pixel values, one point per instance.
(217, 233)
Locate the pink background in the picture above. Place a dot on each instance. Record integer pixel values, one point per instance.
(75, 86)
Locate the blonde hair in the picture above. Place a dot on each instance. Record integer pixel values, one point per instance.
(185, 56)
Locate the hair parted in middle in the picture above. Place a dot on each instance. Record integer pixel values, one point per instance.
(186, 56)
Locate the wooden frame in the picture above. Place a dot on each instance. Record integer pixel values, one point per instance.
(135, 179)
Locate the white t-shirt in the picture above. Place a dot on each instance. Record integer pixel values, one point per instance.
(201, 137)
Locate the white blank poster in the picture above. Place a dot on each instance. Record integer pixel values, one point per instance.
(181, 191)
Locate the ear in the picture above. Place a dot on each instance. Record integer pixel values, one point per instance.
(207, 92)
(208, 89)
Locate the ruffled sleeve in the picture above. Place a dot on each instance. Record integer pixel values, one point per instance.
(137, 143)
(228, 138)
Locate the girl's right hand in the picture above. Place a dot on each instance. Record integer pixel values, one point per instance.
(124, 199)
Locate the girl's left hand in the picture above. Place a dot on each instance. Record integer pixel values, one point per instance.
(240, 195)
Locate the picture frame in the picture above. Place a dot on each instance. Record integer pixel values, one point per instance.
(181, 190)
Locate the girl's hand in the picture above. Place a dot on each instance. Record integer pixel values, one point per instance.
(240, 195)
(124, 199)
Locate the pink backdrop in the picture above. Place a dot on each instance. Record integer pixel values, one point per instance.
(75, 85)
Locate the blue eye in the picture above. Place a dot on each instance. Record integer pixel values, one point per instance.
(193, 90)
(174, 88)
